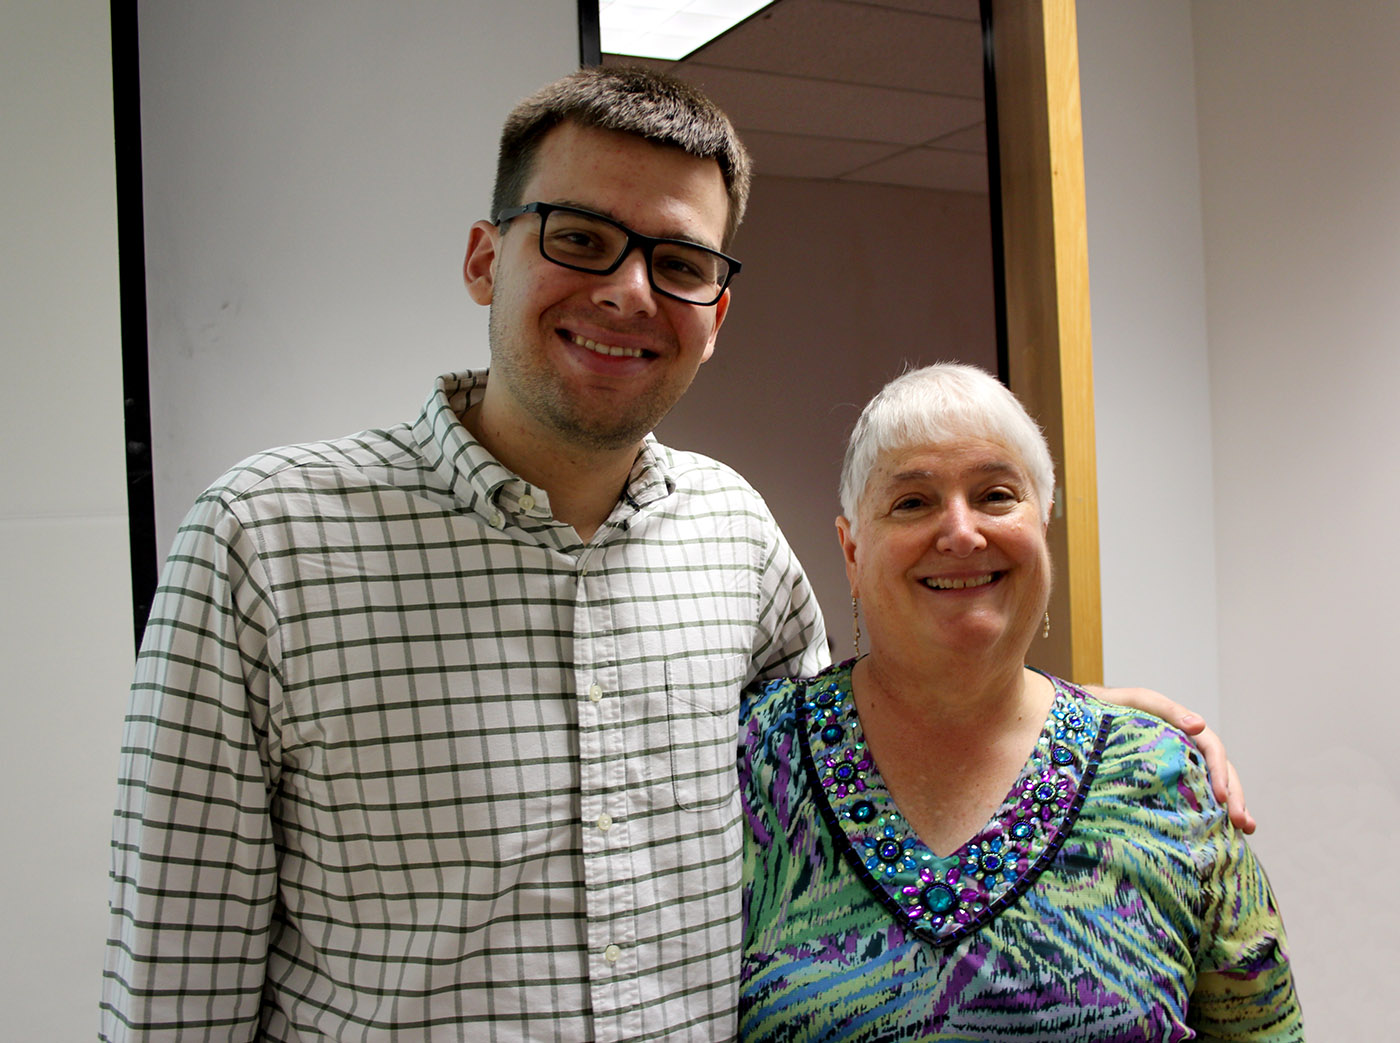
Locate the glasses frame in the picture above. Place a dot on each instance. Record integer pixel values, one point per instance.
(647, 244)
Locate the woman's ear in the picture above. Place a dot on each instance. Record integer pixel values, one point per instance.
(848, 548)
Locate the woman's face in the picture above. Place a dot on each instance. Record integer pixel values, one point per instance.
(949, 553)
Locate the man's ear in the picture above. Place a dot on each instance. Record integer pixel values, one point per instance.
(721, 307)
(479, 267)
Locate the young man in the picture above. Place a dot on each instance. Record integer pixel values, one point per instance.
(433, 731)
(432, 735)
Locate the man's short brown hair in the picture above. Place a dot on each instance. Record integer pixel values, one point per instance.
(653, 106)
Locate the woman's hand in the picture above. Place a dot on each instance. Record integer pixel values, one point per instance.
(1223, 779)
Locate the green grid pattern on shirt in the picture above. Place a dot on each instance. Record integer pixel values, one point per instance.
(362, 772)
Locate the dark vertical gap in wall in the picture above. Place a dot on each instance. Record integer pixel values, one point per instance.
(989, 93)
(590, 37)
(131, 274)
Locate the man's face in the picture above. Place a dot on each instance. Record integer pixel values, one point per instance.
(596, 361)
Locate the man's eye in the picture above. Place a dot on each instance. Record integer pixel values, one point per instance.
(678, 267)
(685, 267)
(575, 240)
(909, 503)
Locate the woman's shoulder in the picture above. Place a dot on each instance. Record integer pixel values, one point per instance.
(1126, 726)
(764, 703)
(1145, 754)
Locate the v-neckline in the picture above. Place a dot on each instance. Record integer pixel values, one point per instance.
(943, 898)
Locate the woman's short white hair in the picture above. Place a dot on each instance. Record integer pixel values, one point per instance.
(941, 403)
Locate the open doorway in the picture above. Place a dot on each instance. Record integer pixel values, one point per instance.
(867, 247)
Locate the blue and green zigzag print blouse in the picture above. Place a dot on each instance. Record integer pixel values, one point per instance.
(1109, 898)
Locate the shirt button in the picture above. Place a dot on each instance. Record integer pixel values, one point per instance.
(527, 502)
(604, 822)
(595, 691)
(497, 519)
(612, 953)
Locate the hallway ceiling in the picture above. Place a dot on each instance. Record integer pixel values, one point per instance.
(880, 91)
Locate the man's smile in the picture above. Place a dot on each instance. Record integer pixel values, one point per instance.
(605, 349)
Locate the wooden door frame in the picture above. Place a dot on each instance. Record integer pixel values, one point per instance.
(1035, 55)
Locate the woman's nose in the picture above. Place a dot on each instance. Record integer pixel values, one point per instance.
(958, 531)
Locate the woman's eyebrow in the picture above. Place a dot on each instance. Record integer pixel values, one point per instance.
(991, 467)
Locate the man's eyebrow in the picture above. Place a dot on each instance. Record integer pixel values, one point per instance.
(680, 236)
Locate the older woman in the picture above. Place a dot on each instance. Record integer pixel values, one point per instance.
(945, 844)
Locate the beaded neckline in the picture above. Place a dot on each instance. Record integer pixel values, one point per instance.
(944, 898)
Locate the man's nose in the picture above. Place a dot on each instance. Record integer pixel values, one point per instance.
(628, 289)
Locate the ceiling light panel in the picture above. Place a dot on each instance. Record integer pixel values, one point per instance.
(668, 29)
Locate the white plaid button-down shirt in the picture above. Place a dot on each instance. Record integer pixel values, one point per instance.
(407, 761)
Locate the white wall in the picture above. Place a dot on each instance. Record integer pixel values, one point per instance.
(311, 171)
(65, 617)
(1297, 106)
(316, 230)
(1300, 155)
(1152, 401)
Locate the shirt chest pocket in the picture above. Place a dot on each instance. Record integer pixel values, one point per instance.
(702, 716)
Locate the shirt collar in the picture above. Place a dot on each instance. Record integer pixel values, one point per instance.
(483, 483)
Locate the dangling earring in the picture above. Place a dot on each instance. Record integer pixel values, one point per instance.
(855, 622)
(1046, 632)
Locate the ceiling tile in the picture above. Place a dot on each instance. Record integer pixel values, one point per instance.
(928, 168)
(850, 89)
(971, 139)
(967, 10)
(802, 156)
(856, 43)
(764, 101)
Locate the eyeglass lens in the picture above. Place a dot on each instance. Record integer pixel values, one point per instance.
(591, 243)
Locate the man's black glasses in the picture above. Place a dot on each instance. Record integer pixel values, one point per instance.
(589, 242)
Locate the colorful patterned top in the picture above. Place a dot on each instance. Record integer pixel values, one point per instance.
(1108, 898)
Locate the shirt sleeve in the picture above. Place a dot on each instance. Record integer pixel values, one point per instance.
(791, 636)
(1244, 981)
(193, 870)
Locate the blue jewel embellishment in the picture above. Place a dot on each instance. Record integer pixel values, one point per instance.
(939, 899)
(950, 894)
(890, 853)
